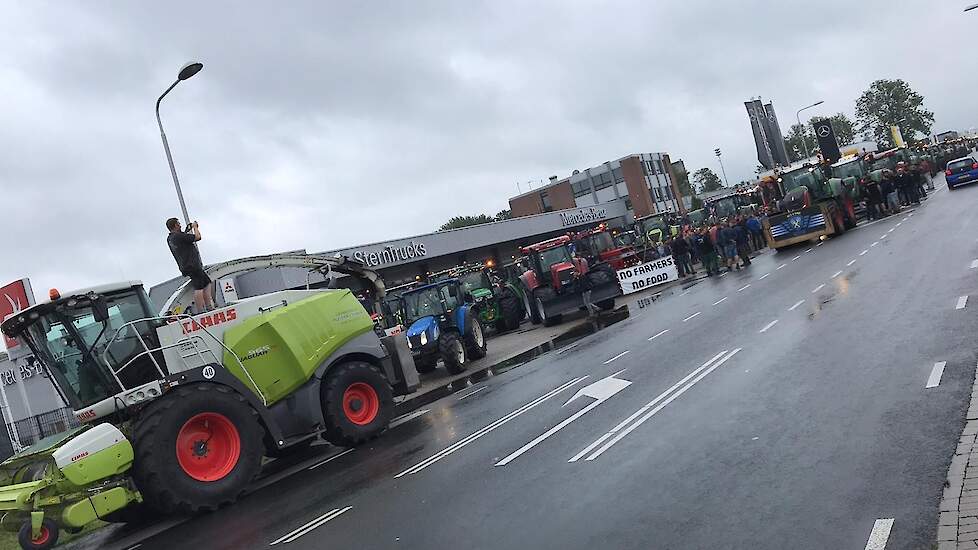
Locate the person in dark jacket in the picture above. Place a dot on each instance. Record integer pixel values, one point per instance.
(728, 240)
(707, 252)
(743, 244)
(680, 253)
(183, 246)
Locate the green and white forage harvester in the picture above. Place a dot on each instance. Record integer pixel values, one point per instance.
(178, 410)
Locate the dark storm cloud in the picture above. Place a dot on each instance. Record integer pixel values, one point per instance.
(318, 126)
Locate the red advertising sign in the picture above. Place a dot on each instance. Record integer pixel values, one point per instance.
(15, 297)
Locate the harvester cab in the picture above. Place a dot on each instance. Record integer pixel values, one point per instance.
(443, 323)
(557, 278)
(178, 410)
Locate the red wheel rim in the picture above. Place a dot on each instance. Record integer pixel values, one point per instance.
(360, 403)
(208, 447)
(42, 536)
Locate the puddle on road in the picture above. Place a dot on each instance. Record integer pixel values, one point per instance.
(562, 341)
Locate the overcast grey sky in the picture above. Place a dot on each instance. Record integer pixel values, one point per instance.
(319, 125)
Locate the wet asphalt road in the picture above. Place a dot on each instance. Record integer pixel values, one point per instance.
(784, 406)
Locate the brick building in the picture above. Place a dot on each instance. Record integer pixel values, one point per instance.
(645, 181)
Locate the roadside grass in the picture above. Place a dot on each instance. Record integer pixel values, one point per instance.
(8, 540)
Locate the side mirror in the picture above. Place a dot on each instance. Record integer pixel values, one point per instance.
(100, 309)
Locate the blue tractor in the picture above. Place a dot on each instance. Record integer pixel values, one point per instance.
(442, 324)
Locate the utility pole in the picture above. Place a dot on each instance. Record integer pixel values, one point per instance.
(722, 171)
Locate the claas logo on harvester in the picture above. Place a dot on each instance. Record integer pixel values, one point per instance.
(211, 320)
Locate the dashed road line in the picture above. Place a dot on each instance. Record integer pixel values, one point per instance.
(798, 303)
(819, 287)
(962, 302)
(489, 427)
(318, 522)
(904, 219)
(837, 273)
(880, 534)
(897, 225)
(780, 266)
(473, 392)
(617, 356)
(850, 263)
(332, 458)
(769, 325)
(891, 230)
(572, 346)
(687, 292)
(807, 251)
(407, 418)
(724, 274)
(720, 301)
(765, 276)
(796, 257)
(875, 243)
(660, 333)
(863, 253)
(820, 243)
(934, 379)
(883, 236)
(745, 287)
(691, 316)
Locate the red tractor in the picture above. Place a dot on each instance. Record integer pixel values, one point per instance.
(556, 280)
(597, 245)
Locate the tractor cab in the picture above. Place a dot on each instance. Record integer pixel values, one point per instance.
(802, 186)
(442, 326)
(597, 245)
(94, 342)
(654, 228)
(553, 263)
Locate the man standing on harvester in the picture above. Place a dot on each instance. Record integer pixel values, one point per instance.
(183, 246)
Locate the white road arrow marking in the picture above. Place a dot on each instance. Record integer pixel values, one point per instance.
(936, 373)
(600, 391)
(962, 302)
(880, 534)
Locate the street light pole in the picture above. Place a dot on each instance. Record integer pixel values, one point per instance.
(186, 72)
(722, 171)
(804, 142)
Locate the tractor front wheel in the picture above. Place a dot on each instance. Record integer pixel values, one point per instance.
(475, 337)
(452, 351)
(426, 363)
(46, 538)
(511, 310)
(357, 403)
(197, 449)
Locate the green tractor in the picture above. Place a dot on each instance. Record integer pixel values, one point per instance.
(178, 410)
(499, 303)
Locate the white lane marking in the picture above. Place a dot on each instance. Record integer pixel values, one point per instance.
(897, 225)
(765, 276)
(769, 325)
(837, 273)
(807, 251)
(590, 447)
(745, 287)
(962, 302)
(691, 316)
(974, 264)
(572, 346)
(910, 214)
(935, 374)
(780, 266)
(851, 262)
(407, 417)
(658, 334)
(820, 243)
(891, 230)
(488, 428)
(904, 219)
(600, 391)
(473, 392)
(880, 534)
(819, 287)
(330, 459)
(724, 274)
(624, 432)
(863, 253)
(616, 357)
(796, 257)
(798, 303)
(321, 520)
(687, 292)
(874, 243)
(883, 236)
(720, 301)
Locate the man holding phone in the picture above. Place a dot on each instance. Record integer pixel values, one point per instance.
(183, 246)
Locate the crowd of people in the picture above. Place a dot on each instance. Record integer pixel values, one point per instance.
(908, 185)
(716, 246)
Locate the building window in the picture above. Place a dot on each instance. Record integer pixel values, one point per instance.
(628, 203)
(581, 188)
(668, 191)
(618, 175)
(656, 195)
(545, 200)
(649, 168)
(658, 167)
(602, 181)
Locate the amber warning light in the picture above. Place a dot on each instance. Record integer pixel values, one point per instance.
(53, 294)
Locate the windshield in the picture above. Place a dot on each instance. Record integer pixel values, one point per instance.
(655, 222)
(422, 303)
(474, 280)
(957, 165)
(725, 207)
(553, 256)
(794, 180)
(63, 336)
(850, 169)
(600, 242)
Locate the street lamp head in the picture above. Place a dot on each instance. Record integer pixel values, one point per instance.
(814, 104)
(189, 70)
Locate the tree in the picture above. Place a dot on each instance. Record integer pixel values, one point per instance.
(892, 103)
(682, 182)
(798, 137)
(504, 215)
(706, 180)
(466, 221)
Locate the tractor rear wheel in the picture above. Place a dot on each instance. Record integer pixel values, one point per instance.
(475, 337)
(357, 403)
(452, 352)
(197, 449)
(47, 538)
(511, 310)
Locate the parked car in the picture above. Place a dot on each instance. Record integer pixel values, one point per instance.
(961, 170)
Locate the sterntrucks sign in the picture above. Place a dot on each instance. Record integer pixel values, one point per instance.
(649, 274)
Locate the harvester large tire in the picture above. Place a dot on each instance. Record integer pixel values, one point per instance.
(511, 309)
(357, 403)
(453, 352)
(47, 538)
(541, 296)
(197, 449)
(474, 338)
